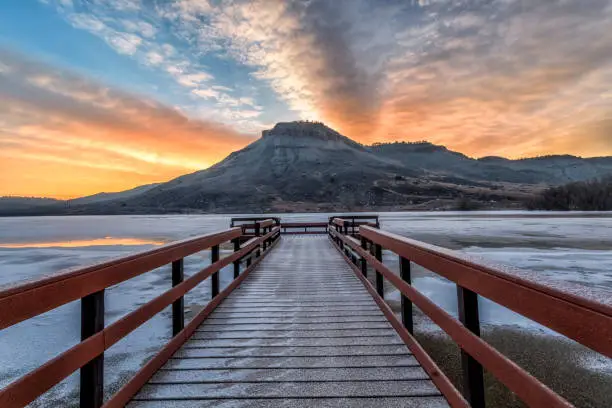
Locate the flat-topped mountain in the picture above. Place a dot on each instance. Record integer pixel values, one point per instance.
(306, 133)
(307, 166)
(292, 163)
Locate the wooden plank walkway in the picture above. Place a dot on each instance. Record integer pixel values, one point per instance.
(301, 331)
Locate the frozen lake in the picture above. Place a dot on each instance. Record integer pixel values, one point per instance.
(570, 250)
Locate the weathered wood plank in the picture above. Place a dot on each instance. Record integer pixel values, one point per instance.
(300, 331)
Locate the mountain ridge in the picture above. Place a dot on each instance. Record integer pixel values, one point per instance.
(307, 166)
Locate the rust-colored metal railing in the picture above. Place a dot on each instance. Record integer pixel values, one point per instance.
(583, 320)
(303, 228)
(349, 224)
(241, 221)
(255, 225)
(30, 299)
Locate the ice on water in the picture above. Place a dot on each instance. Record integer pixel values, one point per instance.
(568, 250)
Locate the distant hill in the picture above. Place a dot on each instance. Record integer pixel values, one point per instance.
(306, 166)
(48, 206)
(547, 169)
(122, 195)
(26, 204)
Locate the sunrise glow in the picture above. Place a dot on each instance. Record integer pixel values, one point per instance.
(110, 95)
(107, 241)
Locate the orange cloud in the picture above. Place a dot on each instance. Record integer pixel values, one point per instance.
(497, 77)
(65, 136)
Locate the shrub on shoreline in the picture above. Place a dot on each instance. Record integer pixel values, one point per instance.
(592, 195)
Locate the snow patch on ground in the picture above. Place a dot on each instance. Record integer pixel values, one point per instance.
(564, 249)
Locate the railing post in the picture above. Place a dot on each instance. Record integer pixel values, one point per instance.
(364, 263)
(406, 303)
(258, 234)
(335, 227)
(214, 257)
(473, 383)
(236, 262)
(178, 306)
(380, 288)
(263, 243)
(92, 373)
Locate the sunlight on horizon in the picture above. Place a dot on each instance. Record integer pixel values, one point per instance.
(122, 94)
(106, 241)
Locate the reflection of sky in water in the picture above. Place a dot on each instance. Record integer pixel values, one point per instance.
(106, 241)
(35, 246)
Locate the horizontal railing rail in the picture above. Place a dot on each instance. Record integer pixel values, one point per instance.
(255, 228)
(586, 321)
(350, 224)
(266, 223)
(301, 228)
(359, 265)
(24, 301)
(358, 219)
(239, 221)
(583, 320)
(339, 222)
(29, 299)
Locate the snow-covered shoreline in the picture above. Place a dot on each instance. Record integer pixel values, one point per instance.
(567, 249)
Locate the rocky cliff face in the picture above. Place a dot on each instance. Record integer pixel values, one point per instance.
(305, 132)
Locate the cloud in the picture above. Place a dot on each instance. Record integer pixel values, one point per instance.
(505, 77)
(55, 117)
(122, 42)
(141, 27)
(308, 52)
(484, 76)
(154, 58)
(121, 25)
(206, 93)
(192, 80)
(125, 5)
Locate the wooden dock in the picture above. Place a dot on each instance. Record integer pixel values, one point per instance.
(304, 323)
(301, 330)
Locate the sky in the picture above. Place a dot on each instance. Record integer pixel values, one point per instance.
(105, 95)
